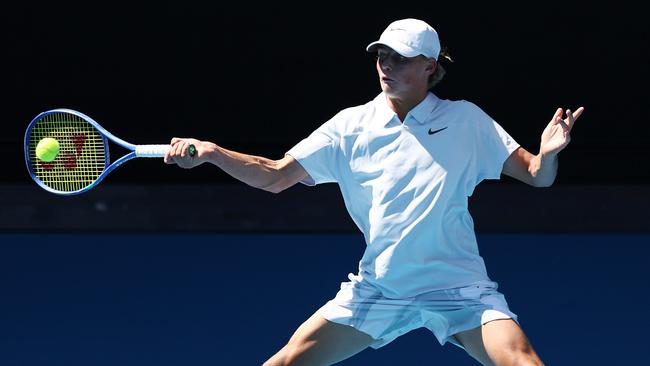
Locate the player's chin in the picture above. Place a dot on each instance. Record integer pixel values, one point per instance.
(389, 88)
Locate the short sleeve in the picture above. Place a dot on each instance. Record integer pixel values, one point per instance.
(319, 154)
(494, 146)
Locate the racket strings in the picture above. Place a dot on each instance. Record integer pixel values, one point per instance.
(81, 158)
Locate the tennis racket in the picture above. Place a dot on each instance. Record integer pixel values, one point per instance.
(83, 160)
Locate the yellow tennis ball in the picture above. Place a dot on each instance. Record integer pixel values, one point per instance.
(47, 149)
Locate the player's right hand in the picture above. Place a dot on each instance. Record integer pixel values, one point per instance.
(178, 153)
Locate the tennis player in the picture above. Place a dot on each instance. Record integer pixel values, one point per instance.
(406, 162)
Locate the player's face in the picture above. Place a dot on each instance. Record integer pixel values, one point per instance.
(401, 76)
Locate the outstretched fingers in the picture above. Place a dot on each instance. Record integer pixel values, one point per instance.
(557, 119)
(572, 117)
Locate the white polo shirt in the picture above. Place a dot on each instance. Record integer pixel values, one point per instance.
(406, 186)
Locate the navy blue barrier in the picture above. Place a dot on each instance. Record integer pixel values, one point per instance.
(229, 299)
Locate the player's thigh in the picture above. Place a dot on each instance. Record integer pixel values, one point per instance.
(472, 341)
(319, 341)
(499, 342)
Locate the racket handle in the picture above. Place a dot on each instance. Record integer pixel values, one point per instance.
(158, 151)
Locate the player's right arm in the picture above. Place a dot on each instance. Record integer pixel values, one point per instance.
(259, 172)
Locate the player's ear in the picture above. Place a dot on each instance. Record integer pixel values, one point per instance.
(431, 66)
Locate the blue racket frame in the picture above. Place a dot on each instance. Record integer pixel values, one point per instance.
(105, 134)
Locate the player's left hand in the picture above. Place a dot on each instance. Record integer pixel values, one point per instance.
(557, 134)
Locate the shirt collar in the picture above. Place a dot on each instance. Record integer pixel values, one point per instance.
(420, 112)
(384, 113)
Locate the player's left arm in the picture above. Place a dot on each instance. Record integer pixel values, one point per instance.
(540, 170)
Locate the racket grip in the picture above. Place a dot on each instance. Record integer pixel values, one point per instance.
(158, 151)
(151, 151)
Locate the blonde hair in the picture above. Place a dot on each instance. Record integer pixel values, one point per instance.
(440, 72)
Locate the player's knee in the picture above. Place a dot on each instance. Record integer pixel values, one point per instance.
(528, 357)
(521, 358)
(298, 356)
(291, 355)
(529, 361)
(276, 360)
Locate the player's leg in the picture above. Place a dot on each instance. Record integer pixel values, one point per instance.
(499, 342)
(320, 342)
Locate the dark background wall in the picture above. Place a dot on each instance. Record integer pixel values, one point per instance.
(259, 78)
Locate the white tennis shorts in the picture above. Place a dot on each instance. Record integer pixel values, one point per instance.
(443, 312)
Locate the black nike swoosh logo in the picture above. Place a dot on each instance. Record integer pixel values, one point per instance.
(436, 131)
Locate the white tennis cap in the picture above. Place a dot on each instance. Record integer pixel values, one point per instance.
(409, 38)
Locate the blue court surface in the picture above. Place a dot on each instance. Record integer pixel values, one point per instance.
(234, 299)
